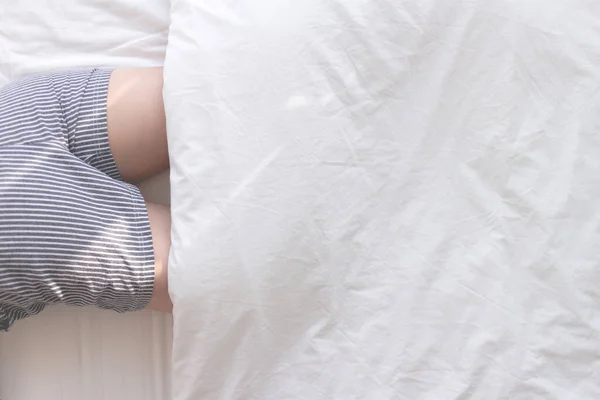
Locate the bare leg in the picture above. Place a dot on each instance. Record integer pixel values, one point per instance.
(136, 122)
(160, 224)
(138, 141)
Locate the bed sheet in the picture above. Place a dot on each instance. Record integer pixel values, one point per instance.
(381, 199)
(66, 353)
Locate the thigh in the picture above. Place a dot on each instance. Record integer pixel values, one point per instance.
(160, 224)
(136, 122)
(69, 234)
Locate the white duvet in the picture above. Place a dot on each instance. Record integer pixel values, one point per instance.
(385, 199)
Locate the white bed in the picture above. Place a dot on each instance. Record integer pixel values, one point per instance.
(385, 199)
(371, 199)
(66, 353)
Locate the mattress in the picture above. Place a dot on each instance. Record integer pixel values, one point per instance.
(67, 353)
(380, 199)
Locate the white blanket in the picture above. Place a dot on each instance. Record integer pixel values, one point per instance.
(83, 354)
(385, 199)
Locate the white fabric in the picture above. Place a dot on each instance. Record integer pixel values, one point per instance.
(380, 199)
(67, 353)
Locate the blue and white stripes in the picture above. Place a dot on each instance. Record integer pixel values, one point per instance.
(70, 231)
